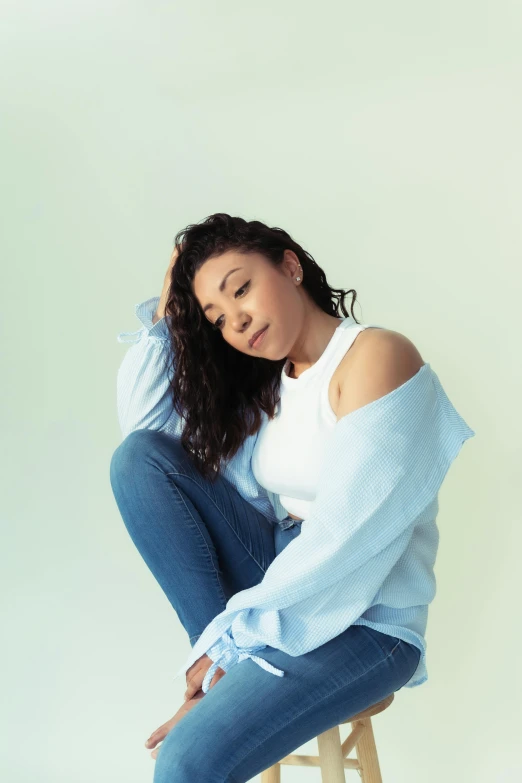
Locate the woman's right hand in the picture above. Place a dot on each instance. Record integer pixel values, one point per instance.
(160, 310)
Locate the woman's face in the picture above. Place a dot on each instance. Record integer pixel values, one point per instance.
(255, 295)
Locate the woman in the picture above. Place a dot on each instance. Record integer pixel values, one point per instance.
(239, 403)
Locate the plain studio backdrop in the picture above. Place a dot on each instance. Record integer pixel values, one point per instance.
(385, 137)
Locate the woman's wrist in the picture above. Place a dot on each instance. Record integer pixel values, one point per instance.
(160, 311)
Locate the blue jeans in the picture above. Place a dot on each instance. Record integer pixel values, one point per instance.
(203, 542)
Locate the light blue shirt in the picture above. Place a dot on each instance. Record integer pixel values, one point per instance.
(365, 554)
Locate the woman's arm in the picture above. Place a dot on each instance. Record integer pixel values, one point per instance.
(143, 386)
(143, 390)
(144, 401)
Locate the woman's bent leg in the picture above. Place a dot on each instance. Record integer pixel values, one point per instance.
(250, 718)
(202, 541)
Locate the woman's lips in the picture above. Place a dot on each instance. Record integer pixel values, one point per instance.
(259, 339)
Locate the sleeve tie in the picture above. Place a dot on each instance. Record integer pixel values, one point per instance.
(227, 654)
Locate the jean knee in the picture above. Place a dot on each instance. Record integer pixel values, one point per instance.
(130, 452)
(140, 444)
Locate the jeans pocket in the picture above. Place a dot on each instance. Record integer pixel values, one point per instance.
(386, 642)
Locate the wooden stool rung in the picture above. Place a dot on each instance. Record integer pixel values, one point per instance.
(314, 761)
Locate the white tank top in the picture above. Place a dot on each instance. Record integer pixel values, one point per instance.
(289, 449)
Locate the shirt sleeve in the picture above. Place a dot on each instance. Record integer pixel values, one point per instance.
(383, 467)
(223, 653)
(145, 312)
(143, 394)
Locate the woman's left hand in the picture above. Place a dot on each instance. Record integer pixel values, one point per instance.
(196, 675)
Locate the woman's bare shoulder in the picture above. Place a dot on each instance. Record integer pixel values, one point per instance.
(379, 361)
(375, 339)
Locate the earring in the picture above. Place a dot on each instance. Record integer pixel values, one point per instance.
(297, 278)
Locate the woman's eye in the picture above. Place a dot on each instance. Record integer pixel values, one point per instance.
(243, 288)
(219, 323)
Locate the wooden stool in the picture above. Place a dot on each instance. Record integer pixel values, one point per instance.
(332, 758)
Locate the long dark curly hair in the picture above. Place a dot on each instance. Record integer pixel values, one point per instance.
(218, 390)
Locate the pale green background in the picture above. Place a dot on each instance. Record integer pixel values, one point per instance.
(386, 138)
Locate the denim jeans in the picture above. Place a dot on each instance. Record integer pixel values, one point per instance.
(203, 542)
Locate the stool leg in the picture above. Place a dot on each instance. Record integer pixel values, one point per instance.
(366, 751)
(272, 774)
(331, 756)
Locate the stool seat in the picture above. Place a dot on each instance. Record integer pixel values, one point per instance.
(332, 759)
(373, 710)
